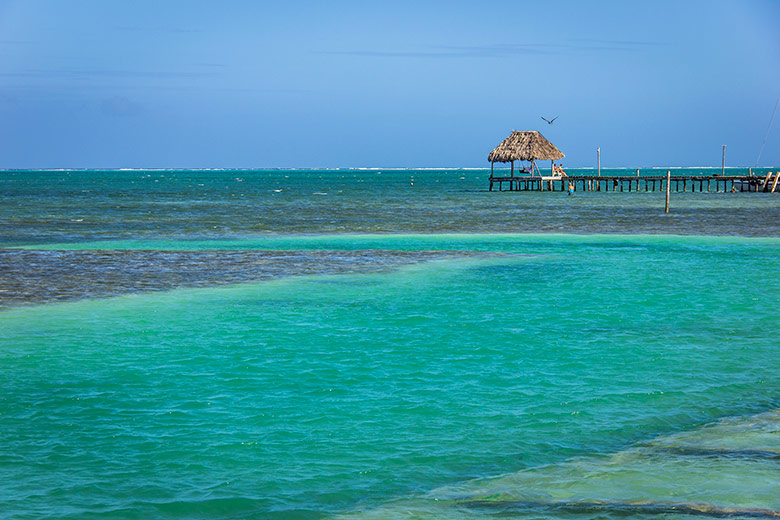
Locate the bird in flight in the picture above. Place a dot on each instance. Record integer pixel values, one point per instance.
(550, 121)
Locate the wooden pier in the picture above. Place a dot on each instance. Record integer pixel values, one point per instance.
(628, 183)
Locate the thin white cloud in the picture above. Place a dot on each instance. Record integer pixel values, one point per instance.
(87, 74)
(502, 50)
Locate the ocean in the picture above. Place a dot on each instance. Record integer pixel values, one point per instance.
(383, 344)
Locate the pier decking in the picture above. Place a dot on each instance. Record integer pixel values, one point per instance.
(627, 183)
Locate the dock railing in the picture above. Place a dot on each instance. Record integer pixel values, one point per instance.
(627, 183)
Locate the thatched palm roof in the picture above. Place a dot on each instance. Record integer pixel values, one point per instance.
(525, 146)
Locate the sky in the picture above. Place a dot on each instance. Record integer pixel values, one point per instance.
(339, 84)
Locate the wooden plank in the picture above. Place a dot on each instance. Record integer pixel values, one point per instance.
(618, 183)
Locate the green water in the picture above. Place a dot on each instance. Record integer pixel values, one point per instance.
(325, 394)
(305, 345)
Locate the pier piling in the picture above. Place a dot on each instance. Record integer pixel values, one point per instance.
(628, 183)
(668, 189)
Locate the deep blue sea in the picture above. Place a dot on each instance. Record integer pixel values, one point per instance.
(384, 344)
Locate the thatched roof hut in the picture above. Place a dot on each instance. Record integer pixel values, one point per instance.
(525, 146)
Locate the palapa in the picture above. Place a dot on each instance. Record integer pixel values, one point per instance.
(525, 146)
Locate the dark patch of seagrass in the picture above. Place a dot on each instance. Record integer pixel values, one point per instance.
(42, 276)
(719, 453)
(513, 507)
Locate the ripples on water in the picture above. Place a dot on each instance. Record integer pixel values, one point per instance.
(43, 207)
(428, 375)
(695, 473)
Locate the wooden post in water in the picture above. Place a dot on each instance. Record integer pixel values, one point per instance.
(765, 185)
(668, 188)
(723, 165)
(598, 154)
(774, 184)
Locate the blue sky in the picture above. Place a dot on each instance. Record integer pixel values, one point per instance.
(196, 84)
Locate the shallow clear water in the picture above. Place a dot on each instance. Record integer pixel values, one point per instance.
(447, 375)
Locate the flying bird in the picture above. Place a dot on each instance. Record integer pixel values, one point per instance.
(550, 121)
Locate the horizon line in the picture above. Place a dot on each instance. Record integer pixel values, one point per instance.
(370, 168)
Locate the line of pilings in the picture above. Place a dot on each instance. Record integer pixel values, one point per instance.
(629, 183)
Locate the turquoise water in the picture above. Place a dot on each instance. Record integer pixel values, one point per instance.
(67, 206)
(388, 372)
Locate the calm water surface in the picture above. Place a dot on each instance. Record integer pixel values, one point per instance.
(294, 345)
